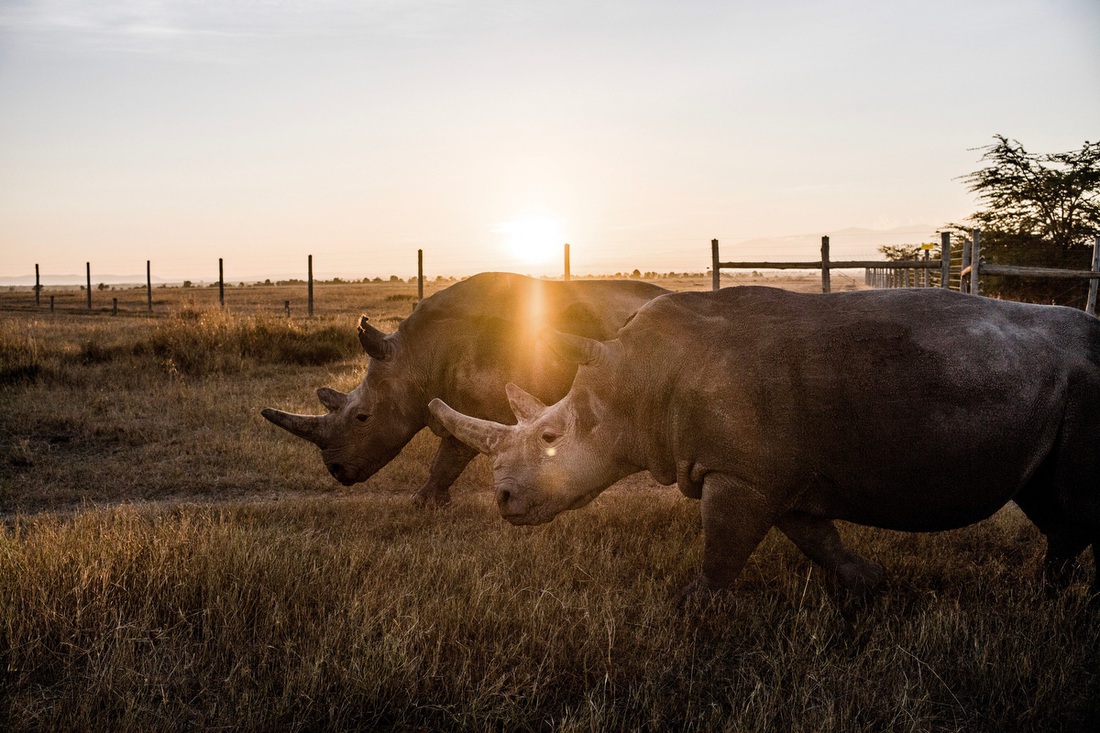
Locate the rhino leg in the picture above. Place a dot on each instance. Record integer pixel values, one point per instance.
(451, 458)
(819, 540)
(1065, 534)
(736, 517)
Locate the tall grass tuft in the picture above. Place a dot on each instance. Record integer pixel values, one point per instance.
(198, 343)
(192, 342)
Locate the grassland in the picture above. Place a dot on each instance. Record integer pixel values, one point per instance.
(170, 561)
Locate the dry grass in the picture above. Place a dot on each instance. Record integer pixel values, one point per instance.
(170, 561)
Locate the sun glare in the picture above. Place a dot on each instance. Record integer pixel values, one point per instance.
(532, 240)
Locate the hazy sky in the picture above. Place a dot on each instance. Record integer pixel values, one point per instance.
(360, 130)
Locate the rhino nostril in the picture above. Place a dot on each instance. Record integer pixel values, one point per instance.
(335, 469)
(503, 496)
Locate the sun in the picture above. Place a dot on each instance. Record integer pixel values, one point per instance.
(536, 239)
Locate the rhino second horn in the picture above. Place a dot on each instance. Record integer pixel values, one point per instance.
(309, 427)
(374, 342)
(575, 349)
(525, 406)
(334, 401)
(481, 435)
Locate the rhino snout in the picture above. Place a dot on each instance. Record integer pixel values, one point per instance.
(511, 502)
(342, 473)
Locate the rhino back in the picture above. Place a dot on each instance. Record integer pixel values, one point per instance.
(473, 338)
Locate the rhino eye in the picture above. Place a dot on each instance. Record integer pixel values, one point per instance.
(549, 437)
(361, 417)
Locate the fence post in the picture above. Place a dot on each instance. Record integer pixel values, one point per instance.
(149, 284)
(221, 283)
(964, 282)
(825, 284)
(286, 304)
(714, 282)
(975, 261)
(51, 304)
(1090, 308)
(37, 287)
(567, 277)
(309, 289)
(945, 259)
(419, 275)
(114, 306)
(88, 271)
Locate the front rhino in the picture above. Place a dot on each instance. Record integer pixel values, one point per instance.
(789, 422)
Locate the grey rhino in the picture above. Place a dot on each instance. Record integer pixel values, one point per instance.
(913, 410)
(463, 344)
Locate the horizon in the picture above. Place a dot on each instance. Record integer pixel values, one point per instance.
(851, 243)
(488, 137)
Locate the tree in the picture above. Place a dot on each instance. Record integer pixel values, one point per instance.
(1040, 210)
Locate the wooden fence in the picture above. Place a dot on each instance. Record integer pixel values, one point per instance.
(921, 272)
(826, 265)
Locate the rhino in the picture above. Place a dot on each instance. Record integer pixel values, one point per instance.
(915, 410)
(462, 344)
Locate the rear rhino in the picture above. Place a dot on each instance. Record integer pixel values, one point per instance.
(462, 344)
(907, 410)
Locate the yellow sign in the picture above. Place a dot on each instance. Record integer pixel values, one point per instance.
(927, 246)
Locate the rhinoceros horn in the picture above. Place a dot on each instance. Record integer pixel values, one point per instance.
(482, 435)
(374, 342)
(310, 427)
(576, 349)
(525, 406)
(331, 399)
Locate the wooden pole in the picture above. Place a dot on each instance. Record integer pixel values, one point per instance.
(114, 306)
(51, 304)
(567, 262)
(88, 270)
(945, 259)
(975, 261)
(826, 286)
(309, 309)
(964, 276)
(714, 283)
(221, 283)
(286, 304)
(419, 275)
(37, 288)
(1090, 307)
(149, 284)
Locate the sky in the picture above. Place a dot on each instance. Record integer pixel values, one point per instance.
(489, 133)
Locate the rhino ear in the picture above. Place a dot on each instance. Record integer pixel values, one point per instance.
(576, 349)
(525, 406)
(332, 400)
(481, 435)
(377, 344)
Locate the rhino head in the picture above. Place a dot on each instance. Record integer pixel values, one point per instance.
(367, 427)
(554, 458)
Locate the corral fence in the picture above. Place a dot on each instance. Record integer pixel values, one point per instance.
(921, 272)
(924, 272)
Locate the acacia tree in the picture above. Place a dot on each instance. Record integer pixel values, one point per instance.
(1037, 209)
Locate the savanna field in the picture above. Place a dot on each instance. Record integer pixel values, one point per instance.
(171, 561)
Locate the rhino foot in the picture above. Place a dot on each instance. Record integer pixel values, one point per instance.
(428, 497)
(859, 576)
(699, 596)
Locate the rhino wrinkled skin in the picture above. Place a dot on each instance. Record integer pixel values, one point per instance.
(915, 410)
(462, 344)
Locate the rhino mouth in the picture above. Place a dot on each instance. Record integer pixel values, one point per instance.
(525, 507)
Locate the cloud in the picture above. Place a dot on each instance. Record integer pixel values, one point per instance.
(167, 19)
